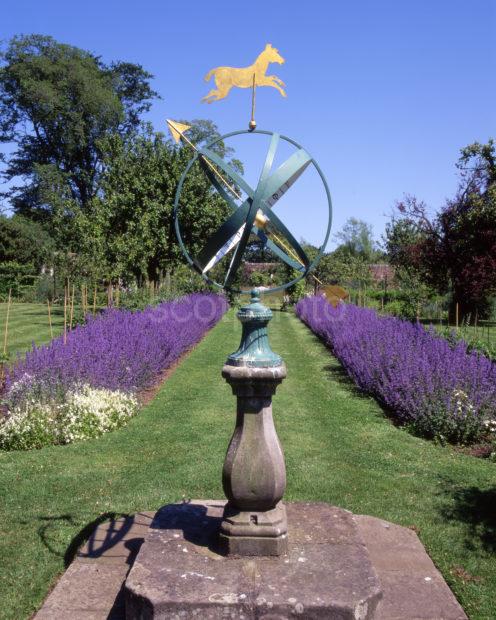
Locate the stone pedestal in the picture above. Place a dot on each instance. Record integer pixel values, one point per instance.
(254, 474)
(180, 572)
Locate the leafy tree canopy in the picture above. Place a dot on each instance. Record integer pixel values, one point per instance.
(127, 232)
(456, 249)
(25, 242)
(356, 239)
(56, 103)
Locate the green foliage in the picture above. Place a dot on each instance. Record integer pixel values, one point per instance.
(456, 249)
(14, 277)
(128, 233)
(24, 248)
(259, 278)
(349, 270)
(25, 242)
(41, 291)
(296, 291)
(56, 103)
(357, 240)
(473, 342)
(324, 269)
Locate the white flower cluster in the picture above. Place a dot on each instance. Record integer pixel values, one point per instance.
(85, 412)
(462, 403)
(490, 425)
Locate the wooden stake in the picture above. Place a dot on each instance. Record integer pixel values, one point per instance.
(50, 319)
(6, 333)
(117, 296)
(94, 301)
(72, 306)
(65, 314)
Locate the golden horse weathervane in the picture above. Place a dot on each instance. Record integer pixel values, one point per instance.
(246, 77)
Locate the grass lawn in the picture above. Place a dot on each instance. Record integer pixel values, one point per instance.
(28, 323)
(485, 331)
(338, 446)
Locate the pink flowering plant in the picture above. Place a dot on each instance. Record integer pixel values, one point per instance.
(439, 391)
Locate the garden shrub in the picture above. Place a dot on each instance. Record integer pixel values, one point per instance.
(84, 413)
(62, 392)
(436, 389)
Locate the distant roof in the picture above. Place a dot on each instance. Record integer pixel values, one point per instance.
(382, 272)
(251, 267)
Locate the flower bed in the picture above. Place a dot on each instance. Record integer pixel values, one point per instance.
(62, 392)
(438, 390)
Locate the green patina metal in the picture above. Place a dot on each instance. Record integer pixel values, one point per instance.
(254, 350)
(269, 189)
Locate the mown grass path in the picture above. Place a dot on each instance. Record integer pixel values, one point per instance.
(339, 448)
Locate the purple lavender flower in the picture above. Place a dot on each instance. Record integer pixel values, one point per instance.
(119, 349)
(438, 390)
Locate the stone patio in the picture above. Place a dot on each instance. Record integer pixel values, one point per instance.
(412, 587)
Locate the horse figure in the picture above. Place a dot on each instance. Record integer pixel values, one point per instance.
(227, 77)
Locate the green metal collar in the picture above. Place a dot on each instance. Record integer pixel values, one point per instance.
(254, 349)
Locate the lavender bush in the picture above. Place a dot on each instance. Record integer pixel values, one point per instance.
(122, 350)
(440, 391)
(118, 351)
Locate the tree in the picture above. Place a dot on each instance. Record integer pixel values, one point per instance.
(357, 238)
(322, 272)
(456, 249)
(24, 242)
(128, 233)
(24, 248)
(57, 102)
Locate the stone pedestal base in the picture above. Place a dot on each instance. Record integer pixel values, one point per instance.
(180, 570)
(254, 533)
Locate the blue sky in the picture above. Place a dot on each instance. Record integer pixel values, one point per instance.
(382, 93)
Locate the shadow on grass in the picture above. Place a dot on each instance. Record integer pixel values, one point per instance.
(119, 525)
(339, 374)
(110, 533)
(476, 509)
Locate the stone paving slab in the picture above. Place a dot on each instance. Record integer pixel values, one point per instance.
(179, 571)
(412, 586)
(92, 587)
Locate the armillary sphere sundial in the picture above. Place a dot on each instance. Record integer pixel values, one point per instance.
(174, 572)
(254, 214)
(254, 475)
(255, 556)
